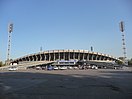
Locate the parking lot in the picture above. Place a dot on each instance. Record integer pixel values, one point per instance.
(66, 84)
(75, 67)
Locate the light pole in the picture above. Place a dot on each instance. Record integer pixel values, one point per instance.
(123, 42)
(91, 49)
(10, 30)
(41, 49)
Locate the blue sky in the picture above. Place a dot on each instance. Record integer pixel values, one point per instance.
(65, 24)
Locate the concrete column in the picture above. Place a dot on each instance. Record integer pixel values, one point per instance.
(74, 54)
(36, 57)
(64, 54)
(32, 58)
(69, 54)
(24, 59)
(54, 54)
(107, 58)
(92, 57)
(112, 59)
(79, 55)
(49, 56)
(44, 57)
(83, 54)
(104, 58)
(40, 57)
(59, 54)
(96, 57)
(88, 57)
(100, 57)
(29, 58)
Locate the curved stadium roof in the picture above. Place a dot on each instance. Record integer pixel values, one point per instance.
(54, 55)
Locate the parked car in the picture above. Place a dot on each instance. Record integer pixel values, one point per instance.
(49, 67)
(63, 68)
(75, 67)
(38, 68)
(13, 68)
(56, 68)
(69, 67)
(43, 68)
(94, 67)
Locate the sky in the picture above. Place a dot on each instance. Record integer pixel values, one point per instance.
(65, 24)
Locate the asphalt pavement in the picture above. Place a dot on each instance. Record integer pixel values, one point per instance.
(66, 84)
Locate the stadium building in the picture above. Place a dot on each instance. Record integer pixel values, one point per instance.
(66, 58)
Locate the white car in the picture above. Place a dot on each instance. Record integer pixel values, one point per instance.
(94, 67)
(63, 68)
(13, 68)
(75, 67)
(55, 68)
(69, 67)
(38, 68)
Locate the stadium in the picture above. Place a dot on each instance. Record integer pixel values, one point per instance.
(66, 58)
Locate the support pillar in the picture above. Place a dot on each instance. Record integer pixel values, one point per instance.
(54, 54)
(79, 55)
(64, 54)
(49, 55)
(88, 57)
(74, 54)
(83, 54)
(69, 54)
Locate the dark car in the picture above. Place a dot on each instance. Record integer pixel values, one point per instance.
(49, 67)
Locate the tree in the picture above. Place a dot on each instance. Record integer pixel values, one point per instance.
(119, 62)
(130, 62)
(1, 64)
